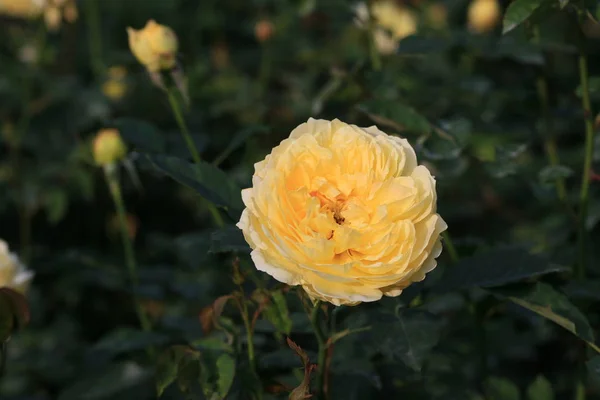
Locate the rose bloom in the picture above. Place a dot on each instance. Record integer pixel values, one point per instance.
(154, 46)
(22, 8)
(393, 23)
(13, 273)
(483, 15)
(344, 211)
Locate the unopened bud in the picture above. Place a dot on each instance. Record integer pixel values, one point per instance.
(263, 30)
(155, 46)
(109, 148)
(484, 15)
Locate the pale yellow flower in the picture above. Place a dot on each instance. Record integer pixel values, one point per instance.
(22, 8)
(13, 274)
(154, 46)
(344, 211)
(108, 147)
(115, 86)
(483, 15)
(394, 23)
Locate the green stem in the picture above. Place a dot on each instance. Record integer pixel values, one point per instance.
(580, 391)
(112, 181)
(587, 163)
(450, 247)
(322, 342)
(373, 51)
(178, 113)
(550, 141)
(94, 36)
(249, 337)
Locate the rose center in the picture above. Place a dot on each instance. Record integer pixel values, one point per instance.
(333, 206)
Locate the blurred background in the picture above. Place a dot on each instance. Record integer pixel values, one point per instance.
(497, 118)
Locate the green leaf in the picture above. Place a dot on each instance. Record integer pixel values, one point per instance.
(586, 290)
(171, 365)
(166, 370)
(552, 173)
(278, 314)
(207, 180)
(141, 135)
(593, 86)
(540, 389)
(106, 384)
(500, 389)
(422, 45)
(56, 202)
(496, 267)
(396, 115)
(518, 11)
(563, 3)
(410, 336)
(239, 139)
(593, 367)
(228, 239)
(226, 372)
(125, 340)
(542, 299)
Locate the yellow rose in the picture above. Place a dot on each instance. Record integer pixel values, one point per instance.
(13, 274)
(21, 8)
(155, 46)
(108, 147)
(344, 211)
(394, 23)
(483, 15)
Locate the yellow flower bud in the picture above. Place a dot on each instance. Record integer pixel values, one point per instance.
(115, 87)
(108, 147)
(53, 17)
(70, 12)
(154, 46)
(263, 30)
(483, 15)
(393, 23)
(21, 8)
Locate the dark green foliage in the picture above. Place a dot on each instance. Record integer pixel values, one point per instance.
(511, 311)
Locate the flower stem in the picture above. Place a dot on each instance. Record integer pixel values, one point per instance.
(549, 142)
(587, 163)
(94, 36)
(373, 51)
(243, 307)
(178, 113)
(579, 391)
(112, 181)
(322, 342)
